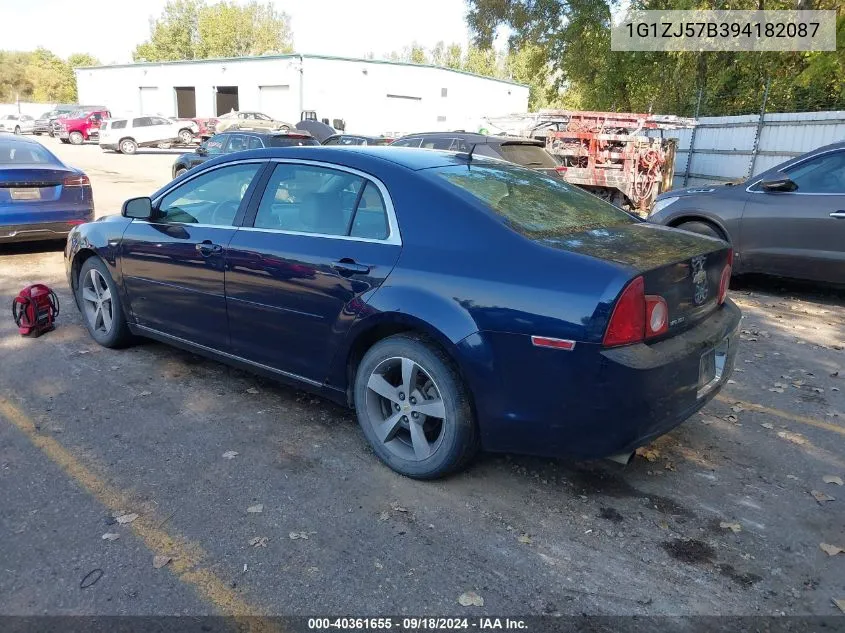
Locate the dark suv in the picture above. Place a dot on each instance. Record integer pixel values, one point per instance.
(522, 151)
(238, 141)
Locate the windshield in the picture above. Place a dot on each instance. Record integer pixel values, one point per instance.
(531, 203)
(9, 117)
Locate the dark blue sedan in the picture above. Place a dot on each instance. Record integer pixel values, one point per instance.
(455, 302)
(41, 198)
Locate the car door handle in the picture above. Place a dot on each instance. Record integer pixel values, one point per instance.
(839, 215)
(206, 248)
(347, 266)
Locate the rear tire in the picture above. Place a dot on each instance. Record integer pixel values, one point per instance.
(99, 300)
(127, 146)
(185, 137)
(702, 228)
(76, 138)
(414, 408)
(179, 172)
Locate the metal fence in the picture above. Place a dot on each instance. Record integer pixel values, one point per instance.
(725, 148)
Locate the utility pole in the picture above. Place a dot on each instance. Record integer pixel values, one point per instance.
(759, 128)
(692, 136)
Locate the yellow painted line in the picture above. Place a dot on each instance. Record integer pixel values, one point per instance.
(794, 417)
(186, 555)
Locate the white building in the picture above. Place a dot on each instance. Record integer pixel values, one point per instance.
(371, 96)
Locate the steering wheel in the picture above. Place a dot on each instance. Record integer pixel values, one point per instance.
(224, 213)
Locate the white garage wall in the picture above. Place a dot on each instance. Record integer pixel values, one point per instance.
(352, 89)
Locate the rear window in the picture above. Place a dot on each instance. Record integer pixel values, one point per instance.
(533, 204)
(18, 153)
(527, 155)
(287, 141)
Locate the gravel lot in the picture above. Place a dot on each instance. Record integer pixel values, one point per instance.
(719, 517)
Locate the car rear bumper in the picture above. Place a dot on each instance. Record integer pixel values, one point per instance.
(591, 402)
(35, 232)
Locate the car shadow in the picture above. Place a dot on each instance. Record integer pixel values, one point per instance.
(790, 288)
(27, 248)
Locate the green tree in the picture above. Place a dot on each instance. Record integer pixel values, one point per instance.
(173, 35)
(191, 29)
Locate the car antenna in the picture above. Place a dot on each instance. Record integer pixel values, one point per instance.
(468, 155)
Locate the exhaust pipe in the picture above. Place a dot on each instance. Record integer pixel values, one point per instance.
(621, 458)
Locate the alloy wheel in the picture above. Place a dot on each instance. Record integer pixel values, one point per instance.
(97, 302)
(406, 409)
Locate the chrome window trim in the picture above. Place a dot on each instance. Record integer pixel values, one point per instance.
(393, 235)
(800, 162)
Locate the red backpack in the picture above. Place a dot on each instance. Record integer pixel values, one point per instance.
(35, 310)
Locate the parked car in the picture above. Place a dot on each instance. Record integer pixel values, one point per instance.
(80, 126)
(41, 198)
(370, 275)
(527, 152)
(44, 123)
(248, 121)
(189, 129)
(237, 141)
(788, 221)
(17, 123)
(356, 139)
(127, 135)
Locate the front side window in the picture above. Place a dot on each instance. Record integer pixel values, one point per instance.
(255, 143)
(437, 142)
(533, 204)
(215, 144)
(118, 125)
(143, 121)
(823, 174)
(334, 140)
(212, 198)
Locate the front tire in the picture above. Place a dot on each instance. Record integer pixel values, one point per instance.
(99, 301)
(128, 146)
(414, 408)
(76, 138)
(17, 130)
(702, 228)
(179, 172)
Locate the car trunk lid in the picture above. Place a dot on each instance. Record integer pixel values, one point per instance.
(683, 268)
(26, 184)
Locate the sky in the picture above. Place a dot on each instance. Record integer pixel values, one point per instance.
(352, 28)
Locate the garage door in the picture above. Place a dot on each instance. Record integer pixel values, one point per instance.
(275, 101)
(148, 100)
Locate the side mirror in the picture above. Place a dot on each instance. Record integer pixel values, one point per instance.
(202, 151)
(138, 209)
(778, 182)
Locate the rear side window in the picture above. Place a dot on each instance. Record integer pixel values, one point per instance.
(533, 204)
(118, 125)
(370, 219)
(527, 155)
(408, 142)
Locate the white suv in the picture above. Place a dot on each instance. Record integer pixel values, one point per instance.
(127, 135)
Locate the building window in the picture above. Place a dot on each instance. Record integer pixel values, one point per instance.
(444, 92)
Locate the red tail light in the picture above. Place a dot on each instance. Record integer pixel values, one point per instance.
(725, 279)
(560, 169)
(627, 323)
(77, 181)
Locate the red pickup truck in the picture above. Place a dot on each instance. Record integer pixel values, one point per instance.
(80, 126)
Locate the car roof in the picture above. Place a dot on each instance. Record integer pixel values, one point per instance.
(474, 137)
(364, 155)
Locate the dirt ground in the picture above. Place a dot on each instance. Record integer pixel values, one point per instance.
(725, 515)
